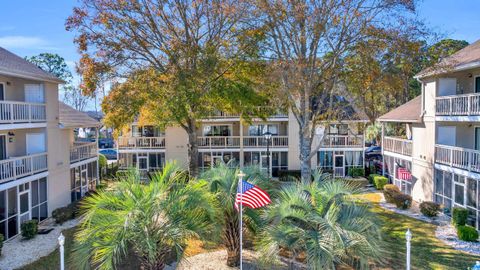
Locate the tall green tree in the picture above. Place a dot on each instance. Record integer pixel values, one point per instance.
(52, 63)
(443, 49)
(322, 221)
(306, 42)
(152, 220)
(189, 58)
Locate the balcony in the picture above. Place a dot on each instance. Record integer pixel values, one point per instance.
(83, 150)
(458, 157)
(225, 115)
(18, 167)
(141, 142)
(218, 141)
(330, 141)
(397, 145)
(259, 141)
(12, 112)
(458, 105)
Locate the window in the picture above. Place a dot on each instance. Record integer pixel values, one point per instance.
(325, 160)
(279, 162)
(39, 199)
(477, 84)
(259, 130)
(338, 129)
(217, 130)
(439, 182)
(84, 180)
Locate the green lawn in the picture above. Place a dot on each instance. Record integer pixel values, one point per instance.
(427, 251)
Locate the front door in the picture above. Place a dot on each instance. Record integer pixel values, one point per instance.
(339, 168)
(143, 166)
(24, 202)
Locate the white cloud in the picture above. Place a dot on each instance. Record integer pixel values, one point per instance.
(21, 42)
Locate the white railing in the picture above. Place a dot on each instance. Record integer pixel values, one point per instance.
(218, 141)
(22, 112)
(220, 114)
(83, 150)
(260, 141)
(141, 142)
(342, 141)
(467, 104)
(397, 145)
(458, 157)
(18, 167)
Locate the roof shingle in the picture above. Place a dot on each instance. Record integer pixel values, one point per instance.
(71, 118)
(14, 65)
(409, 112)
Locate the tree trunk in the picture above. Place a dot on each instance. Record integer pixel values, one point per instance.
(192, 148)
(305, 160)
(232, 241)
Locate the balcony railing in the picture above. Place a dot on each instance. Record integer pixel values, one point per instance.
(462, 105)
(458, 157)
(397, 145)
(141, 142)
(22, 112)
(18, 167)
(221, 114)
(260, 141)
(343, 141)
(83, 150)
(218, 141)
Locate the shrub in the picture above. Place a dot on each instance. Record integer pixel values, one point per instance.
(371, 176)
(29, 229)
(402, 201)
(459, 216)
(389, 191)
(289, 175)
(430, 209)
(467, 233)
(63, 214)
(379, 182)
(356, 172)
(1, 243)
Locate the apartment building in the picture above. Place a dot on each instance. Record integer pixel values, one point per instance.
(223, 137)
(438, 157)
(43, 164)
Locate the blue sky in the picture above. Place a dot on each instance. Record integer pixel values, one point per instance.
(30, 27)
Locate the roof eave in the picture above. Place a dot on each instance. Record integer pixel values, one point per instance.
(31, 77)
(462, 67)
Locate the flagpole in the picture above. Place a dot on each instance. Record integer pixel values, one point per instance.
(240, 179)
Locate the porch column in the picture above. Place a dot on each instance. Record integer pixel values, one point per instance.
(383, 155)
(241, 155)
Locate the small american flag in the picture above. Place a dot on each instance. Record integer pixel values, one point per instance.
(251, 196)
(404, 174)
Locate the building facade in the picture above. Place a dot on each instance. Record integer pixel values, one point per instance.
(441, 145)
(38, 146)
(224, 137)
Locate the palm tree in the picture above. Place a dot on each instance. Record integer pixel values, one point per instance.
(151, 220)
(324, 222)
(222, 183)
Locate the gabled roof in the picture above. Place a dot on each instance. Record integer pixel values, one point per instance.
(14, 65)
(71, 118)
(466, 58)
(409, 112)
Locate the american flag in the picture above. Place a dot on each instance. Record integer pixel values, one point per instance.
(251, 196)
(404, 174)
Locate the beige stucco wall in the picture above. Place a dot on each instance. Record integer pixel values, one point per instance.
(15, 87)
(176, 140)
(17, 144)
(422, 160)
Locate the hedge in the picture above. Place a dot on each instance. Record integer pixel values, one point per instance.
(29, 229)
(459, 216)
(389, 191)
(379, 182)
(402, 201)
(430, 209)
(289, 175)
(467, 233)
(371, 176)
(356, 172)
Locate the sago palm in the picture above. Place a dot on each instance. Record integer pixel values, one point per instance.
(222, 183)
(151, 220)
(322, 221)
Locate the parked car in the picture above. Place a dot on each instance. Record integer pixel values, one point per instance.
(373, 150)
(110, 154)
(105, 143)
